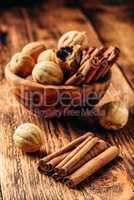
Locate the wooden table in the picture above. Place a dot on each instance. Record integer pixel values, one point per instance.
(19, 177)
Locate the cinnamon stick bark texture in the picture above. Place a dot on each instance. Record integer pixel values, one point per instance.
(78, 156)
(88, 67)
(97, 149)
(91, 166)
(65, 149)
(109, 58)
(95, 65)
(56, 177)
(58, 168)
(86, 55)
(48, 167)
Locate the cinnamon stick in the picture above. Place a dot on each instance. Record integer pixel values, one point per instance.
(79, 76)
(94, 64)
(58, 168)
(75, 79)
(65, 169)
(112, 59)
(48, 167)
(56, 177)
(91, 167)
(88, 68)
(109, 58)
(97, 149)
(65, 149)
(86, 55)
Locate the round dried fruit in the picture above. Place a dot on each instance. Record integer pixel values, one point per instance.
(34, 49)
(28, 137)
(48, 73)
(48, 55)
(113, 115)
(72, 38)
(22, 64)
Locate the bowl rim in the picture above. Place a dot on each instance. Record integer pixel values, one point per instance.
(21, 81)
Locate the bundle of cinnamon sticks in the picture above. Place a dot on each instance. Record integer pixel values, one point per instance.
(79, 159)
(96, 64)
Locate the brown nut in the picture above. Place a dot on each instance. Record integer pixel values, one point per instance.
(47, 55)
(34, 49)
(72, 38)
(48, 73)
(22, 64)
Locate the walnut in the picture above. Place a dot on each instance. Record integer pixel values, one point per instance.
(28, 137)
(34, 49)
(22, 64)
(47, 72)
(72, 38)
(113, 115)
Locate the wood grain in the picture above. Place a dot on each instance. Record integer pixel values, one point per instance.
(19, 176)
(114, 25)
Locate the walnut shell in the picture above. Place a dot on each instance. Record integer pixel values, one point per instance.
(48, 55)
(47, 72)
(22, 64)
(113, 115)
(34, 49)
(28, 137)
(72, 38)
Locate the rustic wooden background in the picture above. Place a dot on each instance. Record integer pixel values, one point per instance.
(19, 178)
(115, 25)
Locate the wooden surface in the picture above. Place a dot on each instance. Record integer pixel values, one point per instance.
(114, 24)
(18, 173)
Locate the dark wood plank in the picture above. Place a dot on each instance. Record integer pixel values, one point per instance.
(114, 25)
(20, 178)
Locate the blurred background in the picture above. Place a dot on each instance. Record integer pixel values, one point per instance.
(113, 21)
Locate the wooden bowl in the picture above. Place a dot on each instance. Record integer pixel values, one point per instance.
(50, 100)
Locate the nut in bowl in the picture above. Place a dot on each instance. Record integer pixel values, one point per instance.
(73, 38)
(22, 64)
(50, 92)
(51, 101)
(48, 73)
